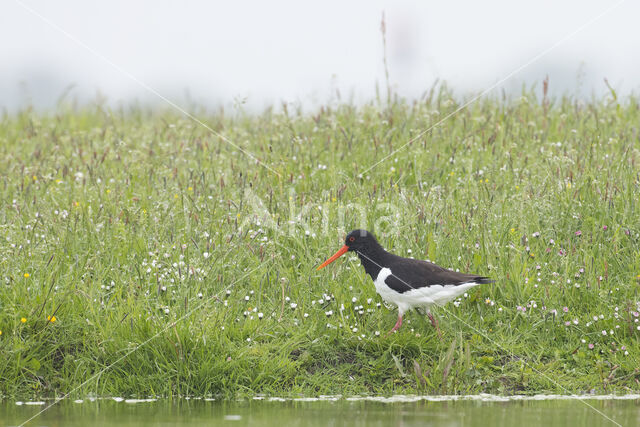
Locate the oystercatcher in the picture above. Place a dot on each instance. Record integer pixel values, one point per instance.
(406, 282)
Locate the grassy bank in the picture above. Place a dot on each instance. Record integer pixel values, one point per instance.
(143, 253)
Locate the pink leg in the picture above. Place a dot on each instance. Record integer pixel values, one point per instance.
(435, 324)
(397, 326)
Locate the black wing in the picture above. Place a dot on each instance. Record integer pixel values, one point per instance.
(413, 274)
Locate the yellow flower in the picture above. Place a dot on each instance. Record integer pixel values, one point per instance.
(486, 180)
(513, 230)
(108, 191)
(0, 331)
(35, 177)
(51, 319)
(58, 181)
(568, 185)
(190, 188)
(333, 199)
(77, 204)
(517, 187)
(175, 196)
(23, 319)
(452, 173)
(26, 275)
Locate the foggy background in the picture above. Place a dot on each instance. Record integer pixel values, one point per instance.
(258, 53)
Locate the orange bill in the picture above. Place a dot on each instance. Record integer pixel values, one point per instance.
(343, 250)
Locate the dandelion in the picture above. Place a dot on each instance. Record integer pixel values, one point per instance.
(26, 275)
(23, 320)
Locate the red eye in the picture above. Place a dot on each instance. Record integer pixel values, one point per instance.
(352, 239)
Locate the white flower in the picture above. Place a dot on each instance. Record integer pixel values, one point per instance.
(294, 305)
(205, 255)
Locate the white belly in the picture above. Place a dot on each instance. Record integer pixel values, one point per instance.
(420, 297)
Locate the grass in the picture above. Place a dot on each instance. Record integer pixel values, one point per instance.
(156, 246)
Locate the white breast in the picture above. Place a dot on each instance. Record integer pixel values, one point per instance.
(419, 297)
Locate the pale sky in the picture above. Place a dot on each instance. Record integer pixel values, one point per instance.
(265, 52)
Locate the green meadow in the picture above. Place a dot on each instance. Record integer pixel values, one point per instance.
(144, 254)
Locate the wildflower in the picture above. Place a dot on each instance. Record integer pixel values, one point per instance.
(23, 319)
(26, 275)
(604, 228)
(604, 332)
(205, 255)
(578, 233)
(565, 309)
(536, 234)
(51, 319)
(591, 346)
(567, 323)
(294, 305)
(260, 315)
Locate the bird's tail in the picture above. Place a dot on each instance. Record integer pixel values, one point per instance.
(483, 280)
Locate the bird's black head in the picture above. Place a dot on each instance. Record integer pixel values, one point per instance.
(360, 241)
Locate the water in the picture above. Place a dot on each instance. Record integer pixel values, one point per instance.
(399, 411)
